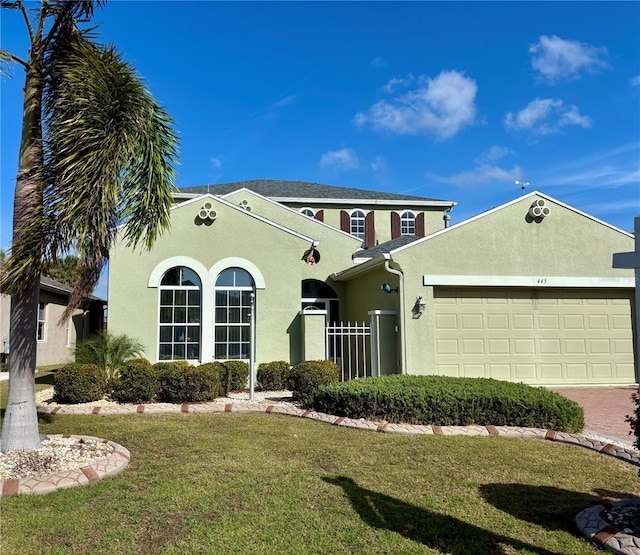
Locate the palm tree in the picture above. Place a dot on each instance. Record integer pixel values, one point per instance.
(96, 152)
(108, 351)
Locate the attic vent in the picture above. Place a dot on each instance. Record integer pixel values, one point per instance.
(244, 203)
(207, 212)
(539, 209)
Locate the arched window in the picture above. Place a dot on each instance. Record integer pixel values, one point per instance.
(179, 327)
(234, 291)
(357, 224)
(308, 212)
(407, 223)
(318, 294)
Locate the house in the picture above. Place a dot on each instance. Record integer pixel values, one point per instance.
(55, 343)
(288, 270)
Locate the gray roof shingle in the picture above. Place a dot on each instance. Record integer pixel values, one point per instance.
(385, 247)
(276, 188)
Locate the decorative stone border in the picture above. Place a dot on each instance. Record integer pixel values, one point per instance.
(594, 527)
(83, 476)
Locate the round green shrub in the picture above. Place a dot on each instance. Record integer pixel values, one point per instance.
(172, 381)
(237, 374)
(180, 383)
(135, 382)
(306, 377)
(273, 376)
(448, 401)
(79, 383)
(205, 382)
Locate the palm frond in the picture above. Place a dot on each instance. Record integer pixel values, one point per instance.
(110, 151)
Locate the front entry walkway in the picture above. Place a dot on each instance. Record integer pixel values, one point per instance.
(605, 409)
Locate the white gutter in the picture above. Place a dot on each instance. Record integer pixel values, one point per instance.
(402, 319)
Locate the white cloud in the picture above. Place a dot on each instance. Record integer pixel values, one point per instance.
(486, 171)
(344, 158)
(379, 164)
(377, 62)
(216, 162)
(396, 82)
(493, 154)
(546, 116)
(281, 103)
(441, 107)
(635, 81)
(557, 59)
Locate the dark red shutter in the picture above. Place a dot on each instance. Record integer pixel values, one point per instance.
(319, 215)
(395, 225)
(345, 221)
(420, 225)
(369, 230)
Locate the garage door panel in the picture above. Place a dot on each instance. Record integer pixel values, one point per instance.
(539, 336)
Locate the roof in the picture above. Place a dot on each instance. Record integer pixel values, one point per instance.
(302, 190)
(58, 287)
(387, 246)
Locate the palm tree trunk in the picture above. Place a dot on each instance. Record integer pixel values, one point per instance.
(20, 426)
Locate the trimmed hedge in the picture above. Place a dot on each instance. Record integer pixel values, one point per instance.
(79, 383)
(447, 401)
(136, 382)
(307, 376)
(273, 376)
(184, 383)
(237, 374)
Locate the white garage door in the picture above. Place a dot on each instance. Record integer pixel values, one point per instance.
(536, 336)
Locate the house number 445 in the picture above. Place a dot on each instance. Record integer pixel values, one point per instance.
(541, 281)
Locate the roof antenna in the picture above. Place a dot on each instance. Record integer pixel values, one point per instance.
(523, 185)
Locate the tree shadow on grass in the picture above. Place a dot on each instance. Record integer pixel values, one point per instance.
(435, 530)
(550, 507)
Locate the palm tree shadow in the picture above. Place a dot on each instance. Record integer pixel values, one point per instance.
(435, 530)
(551, 507)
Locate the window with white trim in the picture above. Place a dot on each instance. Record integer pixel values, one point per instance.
(407, 223)
(232, 320)
(357, 224)
(180, 309)
(308, 212)
(42, 323)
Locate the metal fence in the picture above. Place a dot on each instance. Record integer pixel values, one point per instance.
(349, 346)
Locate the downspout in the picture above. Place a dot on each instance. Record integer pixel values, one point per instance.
(403, 347)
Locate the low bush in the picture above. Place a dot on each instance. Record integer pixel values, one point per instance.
(135, 382)
(634, 420)
(79, 383)
(306, 377)
(184, 383)
(447, 401)
(237, 374)
(273, 376)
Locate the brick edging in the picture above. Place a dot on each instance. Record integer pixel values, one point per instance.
(108, 466)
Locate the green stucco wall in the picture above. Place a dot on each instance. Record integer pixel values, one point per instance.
(276, 253)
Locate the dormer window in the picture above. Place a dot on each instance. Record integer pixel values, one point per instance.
(357, 224)
(407, 223)
(309, 212)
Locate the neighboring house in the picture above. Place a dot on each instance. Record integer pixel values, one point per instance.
(524, 292)
(55, 343)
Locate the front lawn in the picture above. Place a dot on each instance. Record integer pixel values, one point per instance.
(261, 484)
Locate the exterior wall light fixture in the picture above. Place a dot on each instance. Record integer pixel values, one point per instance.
(388, 289)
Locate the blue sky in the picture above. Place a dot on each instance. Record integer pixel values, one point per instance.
(448, 100)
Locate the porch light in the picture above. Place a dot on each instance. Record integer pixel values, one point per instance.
(388, 289)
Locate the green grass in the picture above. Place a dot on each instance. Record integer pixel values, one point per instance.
(261, 484)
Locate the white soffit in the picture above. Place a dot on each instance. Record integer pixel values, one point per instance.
(527, 281)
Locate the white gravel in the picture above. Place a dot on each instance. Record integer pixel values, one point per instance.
(56, 455)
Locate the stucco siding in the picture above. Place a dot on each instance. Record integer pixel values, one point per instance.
(273, 251)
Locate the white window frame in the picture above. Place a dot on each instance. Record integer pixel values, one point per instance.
(305, 212)
(243, 324)
(357, 223)
(407, 223)
(41, 329)
(172, 325)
